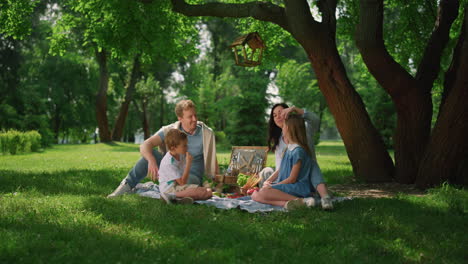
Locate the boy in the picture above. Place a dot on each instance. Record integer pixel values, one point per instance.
(174, 172)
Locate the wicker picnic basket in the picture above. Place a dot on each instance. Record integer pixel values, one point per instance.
(249, 160)
(252, 182)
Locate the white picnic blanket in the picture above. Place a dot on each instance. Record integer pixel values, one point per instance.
(150, 189)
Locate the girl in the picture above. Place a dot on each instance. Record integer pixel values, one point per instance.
(277, 144)
(294, 181)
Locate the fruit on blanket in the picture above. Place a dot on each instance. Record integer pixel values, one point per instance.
(252, 190)
(234, 195)
(217, 194)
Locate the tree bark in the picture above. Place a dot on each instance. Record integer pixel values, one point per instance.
(411, 96)
(365, 148)
(146, 130)
(446, 157)
(121, 118)
(101, 97)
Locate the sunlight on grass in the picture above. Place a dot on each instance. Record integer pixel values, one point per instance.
(53, 209)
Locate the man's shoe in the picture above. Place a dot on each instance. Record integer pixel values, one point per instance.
(121, 190)
(327, 203)
(168, 197)
(309, 201)
(294, 204)
(184, 200)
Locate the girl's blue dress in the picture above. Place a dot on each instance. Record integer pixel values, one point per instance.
(302, 187)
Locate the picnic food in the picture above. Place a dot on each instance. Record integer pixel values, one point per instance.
(242, 179)
(252, 190)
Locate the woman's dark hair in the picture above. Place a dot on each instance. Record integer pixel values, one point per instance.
(274, 131)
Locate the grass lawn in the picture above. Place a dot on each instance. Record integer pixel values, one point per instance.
(53, 210)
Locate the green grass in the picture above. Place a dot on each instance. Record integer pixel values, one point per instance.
(53, 210)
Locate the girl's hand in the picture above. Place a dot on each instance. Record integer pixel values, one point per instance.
(267, 183)
(188, 157)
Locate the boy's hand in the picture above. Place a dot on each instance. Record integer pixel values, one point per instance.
(188, 157)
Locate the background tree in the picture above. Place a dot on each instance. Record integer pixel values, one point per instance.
(122, 29)
(318, 40)
(317, 37)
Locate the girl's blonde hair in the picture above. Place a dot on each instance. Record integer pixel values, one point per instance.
(297, 131)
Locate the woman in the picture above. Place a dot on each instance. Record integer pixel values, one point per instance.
(277, 144)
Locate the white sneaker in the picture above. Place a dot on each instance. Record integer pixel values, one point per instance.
(294, 204)
(122, 189)
(310, 201)
(168, 197)
(327, 203)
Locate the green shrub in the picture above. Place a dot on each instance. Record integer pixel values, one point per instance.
(3, 143)
(15, 142)
(455, 198)
(35, 139)
(24, 143)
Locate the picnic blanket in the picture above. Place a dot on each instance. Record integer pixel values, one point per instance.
(151, 190)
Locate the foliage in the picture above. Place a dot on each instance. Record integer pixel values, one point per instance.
(15, 17)
(14, 142)
(248, 126)
(455, 198)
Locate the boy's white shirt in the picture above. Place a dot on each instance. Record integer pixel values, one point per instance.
(170, 169)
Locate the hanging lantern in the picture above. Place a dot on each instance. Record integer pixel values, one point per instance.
(249, 55)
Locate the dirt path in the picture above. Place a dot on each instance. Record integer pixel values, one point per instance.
(380, 190)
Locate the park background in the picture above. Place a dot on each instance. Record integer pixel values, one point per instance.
(70, 67)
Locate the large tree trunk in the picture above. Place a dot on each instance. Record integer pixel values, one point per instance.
(446, 157)
(411, 95)
(120, 122)
(101, 97)
(365, 148)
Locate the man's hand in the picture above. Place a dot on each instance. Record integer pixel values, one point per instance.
(153, 170)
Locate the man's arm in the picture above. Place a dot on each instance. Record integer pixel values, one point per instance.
(146, 150)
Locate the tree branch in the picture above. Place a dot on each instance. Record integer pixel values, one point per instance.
(430, 64)
(328, 10)
(263, 11)
(451, 74)
(369, 40)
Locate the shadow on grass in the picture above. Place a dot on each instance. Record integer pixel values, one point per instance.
(136, 229)
(75, 182)
(119, 147)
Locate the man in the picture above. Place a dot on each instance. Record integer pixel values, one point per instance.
(201, 145)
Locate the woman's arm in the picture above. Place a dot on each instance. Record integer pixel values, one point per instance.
(271, 179)
(293, 175)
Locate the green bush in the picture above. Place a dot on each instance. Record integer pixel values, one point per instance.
(14, 142)
(35, 139)
(3, 143)
(456, 199)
